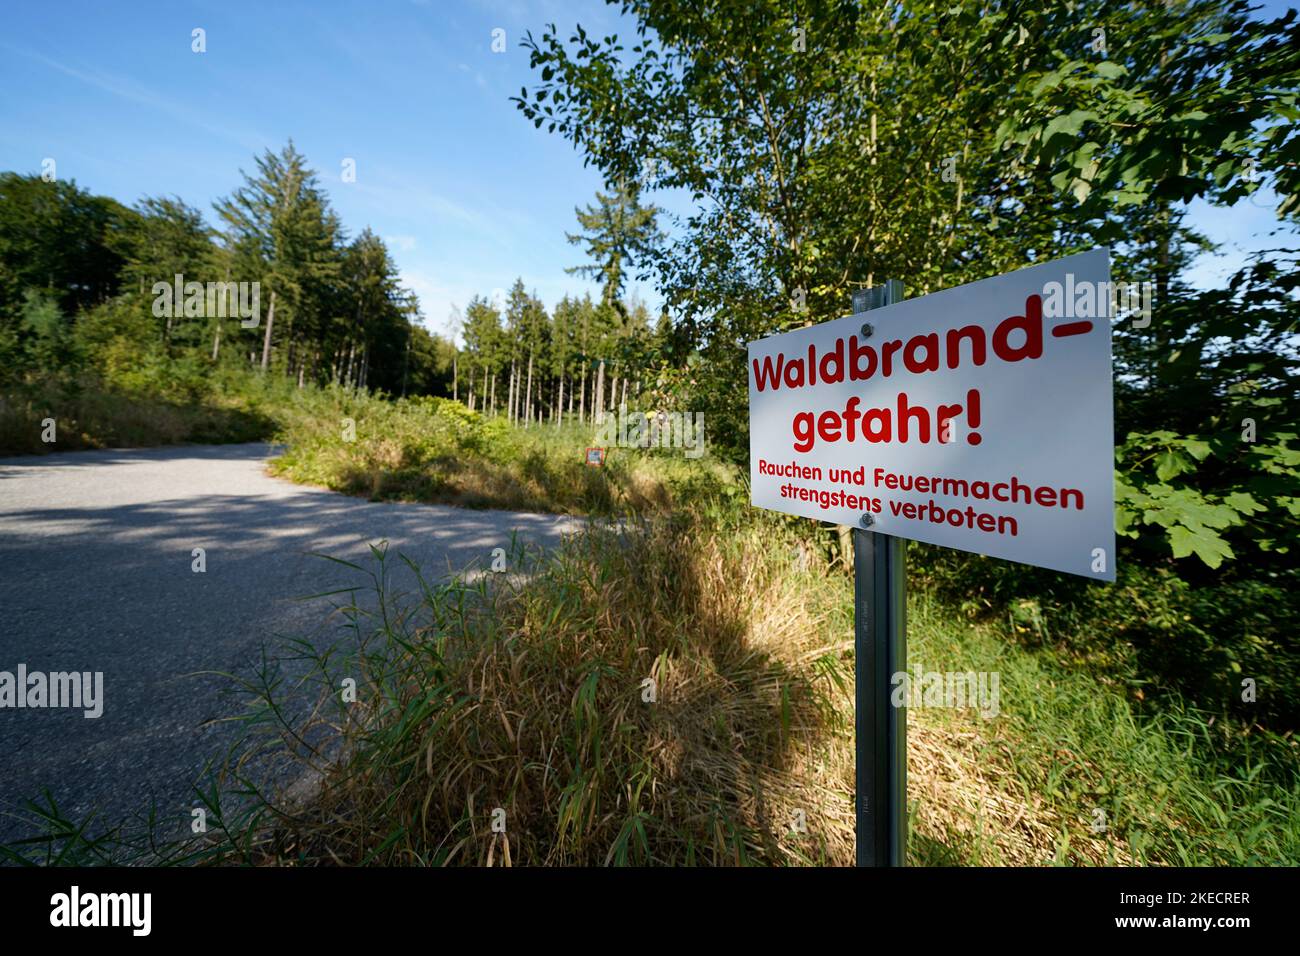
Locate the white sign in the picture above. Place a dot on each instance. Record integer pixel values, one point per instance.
(976, 418)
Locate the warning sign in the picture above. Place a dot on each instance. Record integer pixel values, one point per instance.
(976, 418)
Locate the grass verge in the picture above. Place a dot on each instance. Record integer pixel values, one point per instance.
(671, 690)
(679, 692)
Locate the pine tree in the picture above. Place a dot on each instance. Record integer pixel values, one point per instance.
(376, 317)
(483, 341)
(617, 234)
(280, 219)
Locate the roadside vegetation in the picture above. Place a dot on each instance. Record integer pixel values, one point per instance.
(434, 449)
(674, 685)
(679, 691)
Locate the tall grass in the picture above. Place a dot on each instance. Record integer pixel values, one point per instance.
(669, 689)
(1072, 772)
(85, 415)
(679, 692)
(629, 702)
(432, 449)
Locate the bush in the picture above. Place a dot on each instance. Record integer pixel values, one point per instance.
(1152, 629)
(86, 415)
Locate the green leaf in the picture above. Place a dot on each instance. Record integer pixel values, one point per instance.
(1171, 464)
(1242, 502)
(1205, 544)
(1069, 123)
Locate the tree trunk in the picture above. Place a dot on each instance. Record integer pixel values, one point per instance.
(266, 342)
(455, 378)
(406, 362)
(598, 405)
(559, 418)
(510, 398)
(528, 411)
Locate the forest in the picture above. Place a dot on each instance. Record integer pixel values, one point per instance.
(84, 279)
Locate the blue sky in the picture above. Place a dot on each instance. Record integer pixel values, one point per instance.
(467, 193)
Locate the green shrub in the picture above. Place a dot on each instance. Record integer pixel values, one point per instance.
(1152, 628)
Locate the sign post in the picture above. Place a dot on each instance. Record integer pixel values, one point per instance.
(977, 418)
(880, 650)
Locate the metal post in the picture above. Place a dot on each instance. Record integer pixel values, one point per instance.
(880, 651)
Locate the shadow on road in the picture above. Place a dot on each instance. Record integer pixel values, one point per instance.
(99, 572)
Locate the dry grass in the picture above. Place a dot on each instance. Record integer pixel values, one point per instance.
(969, 805)
(535, 703)
(506, 719)
(526, 694)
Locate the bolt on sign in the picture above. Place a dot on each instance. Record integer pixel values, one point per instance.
(976, 418)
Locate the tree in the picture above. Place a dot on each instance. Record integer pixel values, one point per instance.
(814, 143)
(431, 361)
(1180, 101)
(529, 334)
(369, 283)
(61, 242)
(169, 238)
(484, 344)
(618, 233)
(280, 222)
(829, 146)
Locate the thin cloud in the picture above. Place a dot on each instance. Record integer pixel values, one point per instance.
(135, 93)
(407, 199)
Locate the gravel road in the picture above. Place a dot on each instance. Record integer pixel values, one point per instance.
(96, 555)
